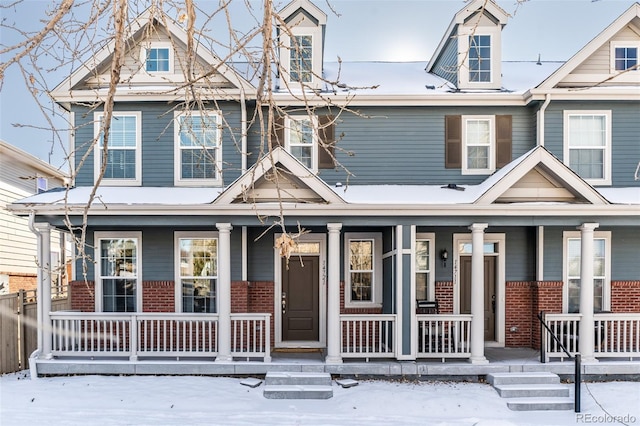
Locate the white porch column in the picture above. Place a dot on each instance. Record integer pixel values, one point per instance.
(44, 297)
(333, 296)
(477, 293)
(224, 292)
(586, 329)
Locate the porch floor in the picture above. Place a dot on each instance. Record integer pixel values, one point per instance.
(500, 360)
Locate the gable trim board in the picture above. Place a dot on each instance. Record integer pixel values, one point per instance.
(601, 39)
(278, 156)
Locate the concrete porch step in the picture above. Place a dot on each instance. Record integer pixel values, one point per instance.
(522, 378)
(540, 404)
(276, 378)
(532, 390)
(298, 392)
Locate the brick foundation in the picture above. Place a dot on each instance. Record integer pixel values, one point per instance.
(444, 296)
(546, 296)
(82, 295)
(519, 314)
(625, 296)
(158, 296)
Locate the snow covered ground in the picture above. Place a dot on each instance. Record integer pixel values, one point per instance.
(188, 400)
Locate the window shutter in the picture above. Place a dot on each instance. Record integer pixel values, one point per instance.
(453, 141)
(277, 132)
(326, 148)
(503, 140)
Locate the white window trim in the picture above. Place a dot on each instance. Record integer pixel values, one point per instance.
(177, 236)
(314, 147)
(97, 237)
(612, 56)
(607, 148)
(97, 152)
(313, 59)
(606, 287)
(157, 45)
(295, 29)
(376, 282)
(492, 145)
(463, 57)
(431, 284)
(177, 169)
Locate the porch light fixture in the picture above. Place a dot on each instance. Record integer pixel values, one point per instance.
(444, 255)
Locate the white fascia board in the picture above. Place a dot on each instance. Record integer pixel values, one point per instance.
(148, 95)
(345, 210)
(444, 99)
(311, 8)
(591, 47)
(619, 93)
(31, 161)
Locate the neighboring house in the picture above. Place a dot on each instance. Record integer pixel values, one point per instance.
(476, 183)
(23, 175)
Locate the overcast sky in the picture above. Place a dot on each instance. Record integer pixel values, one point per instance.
(365, 30)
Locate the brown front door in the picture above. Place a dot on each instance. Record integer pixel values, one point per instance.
(300, 296)
(490, 303)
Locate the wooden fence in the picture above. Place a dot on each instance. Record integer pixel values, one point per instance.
(18, 328)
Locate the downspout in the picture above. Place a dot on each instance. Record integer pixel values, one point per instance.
(540, 228)
(541, 112)
(243, 154)
(39, 314)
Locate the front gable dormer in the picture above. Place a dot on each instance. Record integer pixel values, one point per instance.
(301, 42)
(470, 54)
(611, 59)
(154, 66)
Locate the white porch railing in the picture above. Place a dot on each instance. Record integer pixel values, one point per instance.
(615, 335)
(368, 336)
(156, 335)
(444, 336)
(618, 335)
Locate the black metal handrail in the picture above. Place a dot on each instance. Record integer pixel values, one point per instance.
(577, 358)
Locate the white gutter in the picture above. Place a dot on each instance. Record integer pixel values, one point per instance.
(39, 293)
(541, 112)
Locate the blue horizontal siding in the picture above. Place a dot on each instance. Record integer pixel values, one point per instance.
(625, 138)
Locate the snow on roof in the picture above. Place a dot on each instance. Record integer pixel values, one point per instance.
(520, 76)
(127, 195)
(408, 194)
(628, 196)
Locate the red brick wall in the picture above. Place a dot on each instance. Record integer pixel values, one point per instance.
(22, 282)
(239, 296)
(518, 313)
(625, 296)
(444, 296)
(547, 296)
(260, 300)
(158, 296)
(82, 295)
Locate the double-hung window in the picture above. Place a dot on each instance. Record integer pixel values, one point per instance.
(117, 271)
(197, 271)
(424, 266)
(363, 269)
(301, 59)
(601, 270)
(197, 148)
(123, 166)
(480, 58)
(478, 143)
(301, 139)
(587, 145)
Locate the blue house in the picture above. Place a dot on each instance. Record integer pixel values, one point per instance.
(403, 211)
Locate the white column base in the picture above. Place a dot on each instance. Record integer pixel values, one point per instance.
(224, 358)
(478, 360)
(333, 360)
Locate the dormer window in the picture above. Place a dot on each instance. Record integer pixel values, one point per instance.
(158, 58)
(480, 58)
(301, 59)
